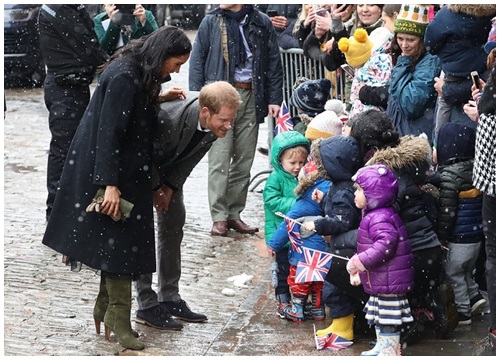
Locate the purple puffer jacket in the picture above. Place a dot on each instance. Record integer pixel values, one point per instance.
(383, 246)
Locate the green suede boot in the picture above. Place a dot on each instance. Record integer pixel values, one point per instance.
(101, 304)
(117, 318)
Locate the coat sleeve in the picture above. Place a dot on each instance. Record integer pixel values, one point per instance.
(113, 123)
(201, 47)
(414, 88)
(274, 199)
(343, 215)
(176, 175)
(385, 238)
(148, 27)
(448, 206)
(274, 73)
(107, 38)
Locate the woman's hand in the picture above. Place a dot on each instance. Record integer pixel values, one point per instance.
(172, 93)
(322, 25)
(309, 226)
(111, 10)
(111, 204)
(311, 15)
(140, 14)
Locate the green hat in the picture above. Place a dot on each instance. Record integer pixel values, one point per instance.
(412, 19)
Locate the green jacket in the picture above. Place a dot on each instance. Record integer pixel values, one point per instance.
(109, 38)
(279, 192)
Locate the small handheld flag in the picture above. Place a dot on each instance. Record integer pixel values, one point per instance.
(284, 121)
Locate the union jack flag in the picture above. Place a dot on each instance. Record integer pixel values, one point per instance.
(293, 229)
(330, 341)
(284, 121)
(314, 266)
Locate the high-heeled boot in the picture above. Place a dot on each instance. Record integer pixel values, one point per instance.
(101, 305)
(117, 318)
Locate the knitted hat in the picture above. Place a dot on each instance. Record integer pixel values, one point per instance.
(381, 36)
(492, 37)
(357, 49)
(455, 141)
(412, 19)
(327, 123)
(311, 96)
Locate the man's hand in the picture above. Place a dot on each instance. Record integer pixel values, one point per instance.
(111, 203)
(162, 198)
(438, 85)
(273, 110)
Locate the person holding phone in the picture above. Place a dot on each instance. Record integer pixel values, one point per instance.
(456, 36)
(113, 33)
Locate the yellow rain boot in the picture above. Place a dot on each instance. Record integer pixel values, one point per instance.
(343, 327)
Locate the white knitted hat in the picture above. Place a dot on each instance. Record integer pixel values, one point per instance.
(327, 123)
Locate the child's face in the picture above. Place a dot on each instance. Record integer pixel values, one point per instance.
(293, 163)
(359, 197)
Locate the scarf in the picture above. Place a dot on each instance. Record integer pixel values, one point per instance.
(233, 20)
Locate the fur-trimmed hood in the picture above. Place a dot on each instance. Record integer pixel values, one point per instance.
(476, 10)
(413, 155)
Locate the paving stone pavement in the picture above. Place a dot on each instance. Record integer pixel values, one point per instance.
(48, 308)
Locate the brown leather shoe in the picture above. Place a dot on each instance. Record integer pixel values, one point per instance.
(219, 228)
(241, 227)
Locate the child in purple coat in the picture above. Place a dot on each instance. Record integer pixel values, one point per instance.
(384, 262)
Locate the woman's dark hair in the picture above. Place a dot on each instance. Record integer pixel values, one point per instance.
(395, 51)
(374, 130)
(151, 51)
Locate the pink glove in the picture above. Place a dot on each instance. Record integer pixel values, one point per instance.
(354, 266)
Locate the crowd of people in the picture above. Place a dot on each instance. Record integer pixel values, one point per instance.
(397, 179)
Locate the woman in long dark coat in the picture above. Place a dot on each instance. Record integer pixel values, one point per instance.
(112, 150)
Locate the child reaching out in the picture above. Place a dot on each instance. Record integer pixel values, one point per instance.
(384, 260)
(288, 155)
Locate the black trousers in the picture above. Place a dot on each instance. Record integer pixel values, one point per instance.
(66, 105)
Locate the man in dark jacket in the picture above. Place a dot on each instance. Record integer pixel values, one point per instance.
(186, 129)
(237, 43)
(71, 53)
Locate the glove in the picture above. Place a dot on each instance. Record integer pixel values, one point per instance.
(355, 280)
(354, 266)
(304, 234)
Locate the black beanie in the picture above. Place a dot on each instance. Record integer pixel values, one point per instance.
(455, 141)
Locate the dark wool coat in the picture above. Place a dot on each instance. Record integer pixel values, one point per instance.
(410, 162)
(113, 145)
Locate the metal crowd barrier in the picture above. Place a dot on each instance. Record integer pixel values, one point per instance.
(295, 66)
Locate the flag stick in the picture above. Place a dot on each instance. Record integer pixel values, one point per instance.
(286, 217)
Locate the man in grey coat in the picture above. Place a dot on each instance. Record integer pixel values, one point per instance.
(185, 132)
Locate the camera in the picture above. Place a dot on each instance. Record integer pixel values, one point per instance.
(125, 15)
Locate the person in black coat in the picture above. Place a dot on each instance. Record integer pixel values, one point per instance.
(71, 53)
(113, 150)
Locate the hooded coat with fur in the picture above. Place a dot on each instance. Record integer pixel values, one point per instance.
(410, 161)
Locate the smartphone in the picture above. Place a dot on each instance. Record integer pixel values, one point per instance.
(320, 11)
(272, 13)
(475, 79)
(349, 70)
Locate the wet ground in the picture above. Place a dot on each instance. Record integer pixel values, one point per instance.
(48, 308)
